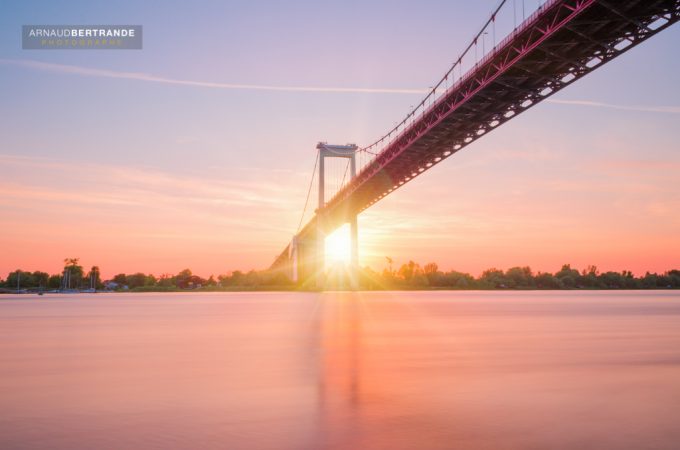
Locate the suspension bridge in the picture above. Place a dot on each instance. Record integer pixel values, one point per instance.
(491, 82)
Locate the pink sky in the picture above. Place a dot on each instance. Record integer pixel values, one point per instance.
(546, 208)
(198, 153)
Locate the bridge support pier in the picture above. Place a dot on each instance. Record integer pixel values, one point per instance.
(354, 252)
(319, 264)
(335, 151)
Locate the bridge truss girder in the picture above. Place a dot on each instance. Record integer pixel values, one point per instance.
(568, 40)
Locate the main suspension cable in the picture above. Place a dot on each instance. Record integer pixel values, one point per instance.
(342, 183)
(309, 191)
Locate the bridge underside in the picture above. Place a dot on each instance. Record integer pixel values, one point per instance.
(565, 41)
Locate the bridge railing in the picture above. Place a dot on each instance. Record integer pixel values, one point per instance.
(508, 19)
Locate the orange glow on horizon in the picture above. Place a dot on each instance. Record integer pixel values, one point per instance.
(129, 220)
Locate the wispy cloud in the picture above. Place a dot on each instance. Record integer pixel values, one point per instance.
(141, 76)
(639, 108)
(54, 188)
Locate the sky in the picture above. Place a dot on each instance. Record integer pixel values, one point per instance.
(197, 150)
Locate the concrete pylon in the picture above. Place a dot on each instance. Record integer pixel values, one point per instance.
(354, 238)
(335, 151)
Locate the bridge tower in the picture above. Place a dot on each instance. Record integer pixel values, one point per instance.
(335, 151)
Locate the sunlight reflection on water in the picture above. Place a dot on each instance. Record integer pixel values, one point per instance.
(421, 370)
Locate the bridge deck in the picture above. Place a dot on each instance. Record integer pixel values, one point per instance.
(559, 44)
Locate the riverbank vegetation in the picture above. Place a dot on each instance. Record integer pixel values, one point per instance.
(410, 275)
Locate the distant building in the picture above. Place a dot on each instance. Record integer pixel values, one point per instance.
(112, 285)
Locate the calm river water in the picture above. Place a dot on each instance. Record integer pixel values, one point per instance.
(407, 370)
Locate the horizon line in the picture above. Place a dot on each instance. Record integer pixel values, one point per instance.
(364, 268)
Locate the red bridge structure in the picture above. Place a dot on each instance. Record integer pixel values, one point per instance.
(489, 84)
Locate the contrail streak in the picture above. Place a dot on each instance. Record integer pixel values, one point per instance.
(659, 109)
(140, 76)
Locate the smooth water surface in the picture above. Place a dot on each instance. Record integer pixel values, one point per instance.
(407, 370)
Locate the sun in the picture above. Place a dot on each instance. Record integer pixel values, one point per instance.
(338, 247)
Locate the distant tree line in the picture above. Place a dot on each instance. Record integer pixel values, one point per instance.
(410, 275)
(187, 280)
(72, 277)
(75, 277)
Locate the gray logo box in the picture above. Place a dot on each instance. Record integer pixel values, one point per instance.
(81, 37)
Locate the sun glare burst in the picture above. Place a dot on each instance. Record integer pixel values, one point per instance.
(338, 247)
